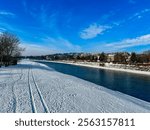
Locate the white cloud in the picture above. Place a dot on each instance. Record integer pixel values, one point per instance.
(138, 41)
(5, 13)
(122, 45)
(92, 31)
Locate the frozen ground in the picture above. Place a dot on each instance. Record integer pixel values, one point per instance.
(34, 87)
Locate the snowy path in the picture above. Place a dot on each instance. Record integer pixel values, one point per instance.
(35, 88)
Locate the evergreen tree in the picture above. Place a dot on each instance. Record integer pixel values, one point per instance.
(133, 58)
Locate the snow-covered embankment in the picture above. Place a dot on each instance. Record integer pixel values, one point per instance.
(34, 87)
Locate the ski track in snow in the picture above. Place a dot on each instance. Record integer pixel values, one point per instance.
(46, 110)
(35, 95)
(32, 87)
(31, 94)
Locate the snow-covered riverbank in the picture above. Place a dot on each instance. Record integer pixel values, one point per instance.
(34, 87)
(107, 67)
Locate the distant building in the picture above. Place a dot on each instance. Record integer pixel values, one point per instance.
(110, 57)
(98, 58)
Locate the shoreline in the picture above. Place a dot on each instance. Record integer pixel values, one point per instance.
(105, 68)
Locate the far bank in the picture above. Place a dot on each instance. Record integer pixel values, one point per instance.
(108, 66)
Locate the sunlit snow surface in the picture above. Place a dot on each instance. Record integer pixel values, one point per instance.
(34, 87)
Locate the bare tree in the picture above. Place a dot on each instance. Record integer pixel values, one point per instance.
(119, 58)
(9, 47)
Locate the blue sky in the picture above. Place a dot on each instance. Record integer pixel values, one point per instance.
(52, 26)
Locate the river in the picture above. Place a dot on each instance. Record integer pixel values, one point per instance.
(136, 85)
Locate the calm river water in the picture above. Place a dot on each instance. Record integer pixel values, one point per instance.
(132, 84)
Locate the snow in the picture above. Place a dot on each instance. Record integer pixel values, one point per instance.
(34, 87)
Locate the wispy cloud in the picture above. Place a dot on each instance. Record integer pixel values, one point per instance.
(135, 16)
(61, 44)
(122, 45)
(93, 31)
(4, 26)
(132, 1)
(43, 14)
(2, 29)
(30, 11)
(24, 4)
(50, 45)
(35, 50)
(126, 43)
(6, 13)
(47, 19)
(38, 13)
(68, 45)
(139, 14)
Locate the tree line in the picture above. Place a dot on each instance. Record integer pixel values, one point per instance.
(9, 49)
(118, 57)
(132, 58)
